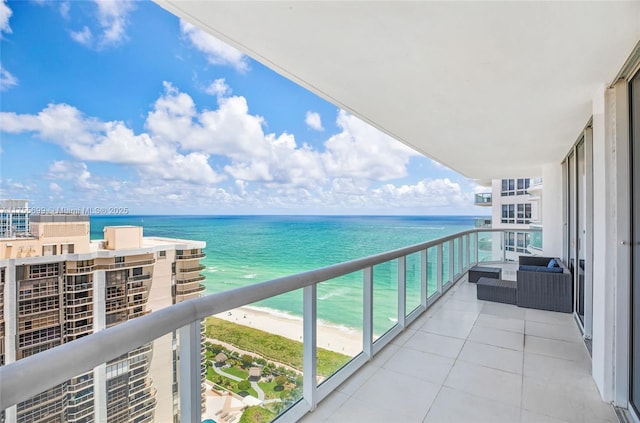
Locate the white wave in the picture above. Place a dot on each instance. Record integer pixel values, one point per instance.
(250, 276)
(332, 293)
(393, 319)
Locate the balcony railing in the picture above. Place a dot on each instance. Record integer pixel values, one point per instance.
(535, 240)
(440, 264)
(483, 199)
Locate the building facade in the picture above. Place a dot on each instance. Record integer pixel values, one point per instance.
(516, 206)
(56, 285)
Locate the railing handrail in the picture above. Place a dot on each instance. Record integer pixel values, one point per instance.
(51, 367)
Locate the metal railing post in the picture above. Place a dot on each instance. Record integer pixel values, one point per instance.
(402, 291)
(367, 312)
(310, 340)
(190, 383)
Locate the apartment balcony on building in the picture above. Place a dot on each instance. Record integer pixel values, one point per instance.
(483, 199)
(482, 222)
(446, 356)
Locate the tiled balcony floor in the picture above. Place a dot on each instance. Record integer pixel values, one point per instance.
(466, 360)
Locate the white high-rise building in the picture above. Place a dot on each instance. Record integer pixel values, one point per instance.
(56, 285)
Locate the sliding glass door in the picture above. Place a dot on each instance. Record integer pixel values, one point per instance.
(578, 215)
(634, 97)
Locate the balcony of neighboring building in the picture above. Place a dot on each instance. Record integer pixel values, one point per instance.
(482, 222)
(192, 254)
(483, 199)
(535, 239)
(535, 185)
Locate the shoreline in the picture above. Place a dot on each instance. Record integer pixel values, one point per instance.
(338, 339)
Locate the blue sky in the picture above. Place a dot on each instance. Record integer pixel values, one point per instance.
(121, 104)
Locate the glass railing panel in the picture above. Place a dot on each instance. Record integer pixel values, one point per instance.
(489, 246)
(413, 281)
(385, 297)
(465, 251)
(432, 271)
(339, 326)
(446, 277)
(535, 240)
(473, 248)
(456, 257)
(254, 360)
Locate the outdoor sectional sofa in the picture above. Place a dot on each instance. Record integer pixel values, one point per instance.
(542, 286)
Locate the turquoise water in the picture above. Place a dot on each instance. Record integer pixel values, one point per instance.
(243, 250)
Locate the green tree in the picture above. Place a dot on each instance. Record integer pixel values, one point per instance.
(280, 381)
(244, 385)
(247, 360)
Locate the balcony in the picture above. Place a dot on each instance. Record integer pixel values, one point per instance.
(447, 356)
(483, 199)
(188, 255)
(192, 269)
(535, 241)
(482, 222)
(182, 280)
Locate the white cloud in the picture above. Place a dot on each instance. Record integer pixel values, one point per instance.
(253, 170)
(113, 18)
(89, 139)
(72, 171)
(53, 187)
(219, 88)
(5, 14)
(83, 37)
(313, 121)
(217, 52)
(362, 151)
(7, 80)
(426, 193)
(65, 7)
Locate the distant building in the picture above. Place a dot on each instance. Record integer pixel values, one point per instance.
(516, 204)
(14, 218)
(56, 285)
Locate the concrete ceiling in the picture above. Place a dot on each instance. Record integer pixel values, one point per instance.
(490, 89)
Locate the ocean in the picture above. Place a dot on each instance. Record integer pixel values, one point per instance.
(242, 250)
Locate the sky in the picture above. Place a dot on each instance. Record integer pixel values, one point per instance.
(121, 105)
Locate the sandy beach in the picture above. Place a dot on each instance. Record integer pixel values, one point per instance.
(334, 338)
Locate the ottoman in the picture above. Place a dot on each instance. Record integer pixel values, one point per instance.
(498, 290)
(477, 272)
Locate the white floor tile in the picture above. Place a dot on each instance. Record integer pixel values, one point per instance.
(500, 322)
(423, 365)
(453, 405)
(564, 402)
(485, 382)
(490, 356)
(497, 337)
(504, 310)
(575, 351)
(395, 391)
(437, 344)
(553, 331)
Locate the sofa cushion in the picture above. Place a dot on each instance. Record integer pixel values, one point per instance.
(528, 268)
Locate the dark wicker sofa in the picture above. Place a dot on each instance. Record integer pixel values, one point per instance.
(544, 289)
